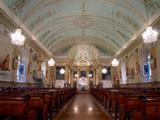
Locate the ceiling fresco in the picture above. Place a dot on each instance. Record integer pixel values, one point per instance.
(106, 24)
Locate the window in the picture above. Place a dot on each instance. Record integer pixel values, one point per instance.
(83, 74)
(21, 75)
(123, 72)
(58, 75)
(107, 76)
(91, 74)
(147, 69)
(75, 74)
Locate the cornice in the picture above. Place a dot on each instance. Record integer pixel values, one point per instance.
(138, 41)
(11, 25)
(11, 22)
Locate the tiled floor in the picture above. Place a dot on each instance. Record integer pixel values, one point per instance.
(83, 107)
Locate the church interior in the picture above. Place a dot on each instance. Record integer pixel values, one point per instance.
(79, 60)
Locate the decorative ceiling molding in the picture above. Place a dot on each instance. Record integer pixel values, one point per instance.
(69, 19)
(118, 43)
(66, 43)
(137, 39)
(9, 18)
(40, 5)
(91, 18)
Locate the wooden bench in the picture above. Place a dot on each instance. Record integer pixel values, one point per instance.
(149, 110)
(16, 107)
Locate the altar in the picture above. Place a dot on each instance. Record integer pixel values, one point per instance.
(83, 84)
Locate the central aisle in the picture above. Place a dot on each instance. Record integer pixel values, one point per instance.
(83, 107)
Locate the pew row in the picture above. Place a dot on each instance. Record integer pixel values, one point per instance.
(33, 104)
(129, 103)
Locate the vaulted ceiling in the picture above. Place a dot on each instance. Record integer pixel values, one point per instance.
(106, 24)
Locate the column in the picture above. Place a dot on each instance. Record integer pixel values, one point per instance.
(153, 62)
(100, 73)
(71, 77)
(87, 73)
(78, 72)
(66, 74)
(54, 76)
(95, 76)
(113, 76)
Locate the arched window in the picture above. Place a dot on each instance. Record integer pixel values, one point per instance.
(107, 75)
(59, 76)
(147, 68)
(123, 73)
(145, 64)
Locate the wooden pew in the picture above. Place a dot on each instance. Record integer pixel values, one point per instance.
(149, 110)
(45, 102)
(122, 103)
(16, 108)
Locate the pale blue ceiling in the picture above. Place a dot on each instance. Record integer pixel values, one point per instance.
(54, 22)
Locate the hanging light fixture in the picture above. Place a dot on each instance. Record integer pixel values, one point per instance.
(115, 62)
(76, 75)
(62, 71)
(17, 38)
(51, 62)
(83, 54)
(104, 70)
(150, 35)
(90, 75)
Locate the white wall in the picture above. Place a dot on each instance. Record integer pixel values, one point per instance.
(106, 83)
(59, 83)
(5, 44)
(5, 49)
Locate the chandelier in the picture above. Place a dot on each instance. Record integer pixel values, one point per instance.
(62, 71)
(76, 75)
(90, 75)
(83, 54)
(104, 70)
(115, 62)
(17, 38)
(150, 35)
(51, 62)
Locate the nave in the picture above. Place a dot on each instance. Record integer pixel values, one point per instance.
(50, 49)
(83, 107)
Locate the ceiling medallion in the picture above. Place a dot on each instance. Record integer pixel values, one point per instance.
(83, 22)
